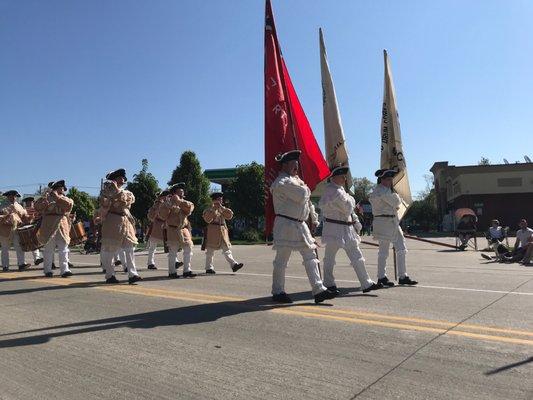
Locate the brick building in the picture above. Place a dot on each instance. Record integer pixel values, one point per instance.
(502, 191)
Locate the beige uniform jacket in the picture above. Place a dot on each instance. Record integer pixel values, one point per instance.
(385, 205)
(217, 231)
(55, 211)
(174, 211)
(118, 225)
(157, 222)
(11, 216)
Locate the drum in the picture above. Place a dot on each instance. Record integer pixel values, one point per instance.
(77, 234)
(28, 237)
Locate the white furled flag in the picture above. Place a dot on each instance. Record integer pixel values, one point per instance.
(392, 155)
(336, 152)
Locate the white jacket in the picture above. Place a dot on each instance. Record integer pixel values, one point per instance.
(336, 204)
(385, 202)
(292, 197)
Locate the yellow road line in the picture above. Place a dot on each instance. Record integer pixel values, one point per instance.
(358, 317)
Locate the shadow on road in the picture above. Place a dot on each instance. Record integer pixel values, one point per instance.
(510, 366)
(187, 315)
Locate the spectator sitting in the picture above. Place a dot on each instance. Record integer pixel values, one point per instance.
(528, 256)
(495, 235)
(466, 228)
(523, 240)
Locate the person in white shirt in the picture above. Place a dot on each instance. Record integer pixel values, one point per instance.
(495, 236)
(292, 205)
(523, 238)
(341, 231)
(386, 227)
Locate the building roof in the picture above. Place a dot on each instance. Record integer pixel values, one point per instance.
(453, 170)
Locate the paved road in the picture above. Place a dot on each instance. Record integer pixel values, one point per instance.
(465, 333)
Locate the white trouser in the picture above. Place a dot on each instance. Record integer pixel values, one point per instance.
(310, 262)
(36, 255)
(210, 253)
(58, 242)
(356, 259)
(152, 246)
(383, 253)
(109, 266)
(173, 257)
(6, 244)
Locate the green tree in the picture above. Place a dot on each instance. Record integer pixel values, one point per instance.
(144, 187)
(362, 187)
(423, 211)
(247, 194)
(197, 185)
(84, 204)
(483, 161)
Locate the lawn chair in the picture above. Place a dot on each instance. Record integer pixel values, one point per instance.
(465, 229)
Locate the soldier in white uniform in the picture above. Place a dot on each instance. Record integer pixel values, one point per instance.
(28, 204)
(292, 205)
(341, 231)
(386, 227)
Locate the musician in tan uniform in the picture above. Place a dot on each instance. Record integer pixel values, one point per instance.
(29, 205)
(174, 211)
(156, 231)
(54, 231)
(118, 226)
(217, 237)
(11, 217)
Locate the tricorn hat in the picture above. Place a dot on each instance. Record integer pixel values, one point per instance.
(216, 195)
(12, 193)
(27, 199)
(176, 186)
(339, 170)
(163, 193)
(386, 173)
(121, 172)
(288, 156)
(57, 184)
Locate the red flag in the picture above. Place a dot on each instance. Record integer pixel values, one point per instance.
(286, 126)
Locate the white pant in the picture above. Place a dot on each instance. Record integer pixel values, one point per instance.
(210, 253)
(356, 259)
(310, 262)
(173, 257)
(383, 253)
(109, 266)
(58, 242)
(5, 250)
(36, 255)
(152, 246)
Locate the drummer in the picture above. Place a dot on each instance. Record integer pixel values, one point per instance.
(54, 231)
(29, 205)
(11, 217)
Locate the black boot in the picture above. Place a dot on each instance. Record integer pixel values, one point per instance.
(333, 289)
(236, 267)
(39, 261)
(24, 266)
(133, 279)
(282, 298)
(111, 280)
(54, 266)
(178, 264)
(385, 282)
(173, 276)
(189, 274)
(210, 271)
(374, 286)
(49, 274)
(66, 274)
(325, 295)
(152, 266)
(406, 281)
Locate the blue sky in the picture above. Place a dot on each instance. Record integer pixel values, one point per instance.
(90, 86)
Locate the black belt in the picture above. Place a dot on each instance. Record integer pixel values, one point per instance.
(291, 218)
(212, 223)
(385, 216)
(117, 213)
(336, 221)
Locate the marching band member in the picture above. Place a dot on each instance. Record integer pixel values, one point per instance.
(118, 227)
(28, 204)
(292, 205)
(11, 217)
(341, 231)
(217, 237)
(386, 226)
(156, 230)
(174, 211)
(54, 231)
